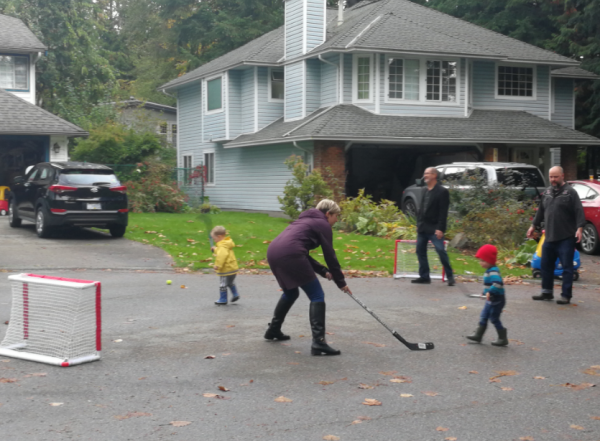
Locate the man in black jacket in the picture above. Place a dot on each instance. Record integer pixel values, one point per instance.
(564, 219)
(431, 225)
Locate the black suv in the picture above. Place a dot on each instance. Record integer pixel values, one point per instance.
(57, 194)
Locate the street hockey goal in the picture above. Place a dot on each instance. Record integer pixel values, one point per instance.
(53, 320)
(406, 264)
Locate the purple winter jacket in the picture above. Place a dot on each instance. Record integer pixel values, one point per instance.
(288, 254)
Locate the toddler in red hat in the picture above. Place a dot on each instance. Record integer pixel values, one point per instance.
(494, 294)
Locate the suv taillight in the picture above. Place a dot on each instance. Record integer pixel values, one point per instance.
(119, 189)
(61, 188)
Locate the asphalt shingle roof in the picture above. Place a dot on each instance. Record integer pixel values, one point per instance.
(387, 25)
(19, 117)
(574, 72)
(352, 123)
(15, 36)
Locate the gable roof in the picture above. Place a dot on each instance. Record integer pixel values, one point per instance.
(574, 72)
(386, 26)
(133, 103)
(19, 117)
(15, 36)
(348, 122)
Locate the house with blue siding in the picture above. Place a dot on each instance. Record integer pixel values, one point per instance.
(377, 92)
(28, 133)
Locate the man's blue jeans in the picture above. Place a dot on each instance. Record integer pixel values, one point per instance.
(491, 311)
(565, 251)
(422, 239)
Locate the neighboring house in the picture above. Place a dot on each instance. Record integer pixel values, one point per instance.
(376, 92)
(28, 134)
(144, 115)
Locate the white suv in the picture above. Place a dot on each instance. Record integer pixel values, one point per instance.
(526, 177)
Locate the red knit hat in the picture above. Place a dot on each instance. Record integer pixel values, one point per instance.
(488, 253)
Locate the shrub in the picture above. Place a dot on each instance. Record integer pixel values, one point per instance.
(304, 190)
(363, 215)
(155, 191)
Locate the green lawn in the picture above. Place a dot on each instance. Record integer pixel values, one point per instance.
(185, 238)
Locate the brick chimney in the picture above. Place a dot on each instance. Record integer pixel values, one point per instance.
(305, 26)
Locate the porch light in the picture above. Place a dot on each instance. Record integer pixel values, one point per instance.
(56, 148)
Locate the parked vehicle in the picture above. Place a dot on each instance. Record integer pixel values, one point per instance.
(63, 194)
(525, 177)
(588, 191)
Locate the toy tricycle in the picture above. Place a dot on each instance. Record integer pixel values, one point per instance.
(536, 263)
(4, 200)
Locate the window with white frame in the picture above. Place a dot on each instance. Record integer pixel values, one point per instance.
(209, 164)
(362, 78)
(403, 79)
(187, 161)
(441, 80)
(214, 94)
(187, 169)
(515, 81)
(277, 89)
(14, 72)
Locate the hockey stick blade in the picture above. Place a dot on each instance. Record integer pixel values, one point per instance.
(414, 346)
(466, 292)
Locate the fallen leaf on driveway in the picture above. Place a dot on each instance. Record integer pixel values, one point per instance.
(506, 388)
(118, 340)
(404, 379)
(40, 374)
(180, 423)
(406, 395)
(388, 372)
(371, 402)
(365, 386)
(526, 438)
(209, 357)
(462, 307)
(325, 383)
(132, 415)
(223, 388)
(209, 395)
(594, 370)
(282, 399)
(576, 427)
(538, 377)
(442, 429)
(595, 417)
(431, 394)
(8, 380)
(331, 438)
(578, 386)
(56, 404)
(356, 422)
(450, 438)
(504, 374)
(473, 372)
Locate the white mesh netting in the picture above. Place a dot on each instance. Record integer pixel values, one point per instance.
(53, 317)
(407, 264)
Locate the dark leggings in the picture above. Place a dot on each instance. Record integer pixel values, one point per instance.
(313, 290)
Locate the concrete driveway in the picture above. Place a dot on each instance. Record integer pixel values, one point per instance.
(154, 374)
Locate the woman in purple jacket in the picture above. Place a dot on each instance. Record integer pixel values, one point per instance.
(294, 268)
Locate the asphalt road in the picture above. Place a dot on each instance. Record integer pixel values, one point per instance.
(156, 338)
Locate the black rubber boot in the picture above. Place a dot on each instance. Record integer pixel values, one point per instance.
(281, 310)
(478, 334)
(502, 340)
(317, 324)
(544, 296)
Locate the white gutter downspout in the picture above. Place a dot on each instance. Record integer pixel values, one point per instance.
(308, 157)
(168, 94)
(301, 148)
(338, 73)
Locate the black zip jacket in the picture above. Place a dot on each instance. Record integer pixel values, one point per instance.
(561, 211)
(434, 216)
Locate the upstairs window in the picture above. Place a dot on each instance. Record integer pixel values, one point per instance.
(441, 81)
(214, 94)
(363, 82)
(14, 72)
(277, 84)
(403, 79)
(515, 81)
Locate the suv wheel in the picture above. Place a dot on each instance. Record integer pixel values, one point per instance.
(117, 230)
(410, 208)
(41, 223)
(13, 220)
(589, 240)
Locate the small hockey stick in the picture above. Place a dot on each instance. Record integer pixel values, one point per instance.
(209, 226)
(411, 346)
(465, 291)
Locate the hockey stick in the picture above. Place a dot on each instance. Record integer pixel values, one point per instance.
(209, 226)
(411, 346)
(465, 291)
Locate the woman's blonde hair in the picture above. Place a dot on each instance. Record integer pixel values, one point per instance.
(328, 206)
(218, 231)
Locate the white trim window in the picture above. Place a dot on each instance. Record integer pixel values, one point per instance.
(441, 81)
(362, 81)
(209, 164)
(276, 85)
(14, 73)
(515, 82)
(403, 79)
(188, 161)
(214, 94)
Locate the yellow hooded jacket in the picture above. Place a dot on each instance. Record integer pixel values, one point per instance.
(225, 263)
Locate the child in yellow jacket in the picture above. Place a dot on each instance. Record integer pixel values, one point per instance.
(225, 264)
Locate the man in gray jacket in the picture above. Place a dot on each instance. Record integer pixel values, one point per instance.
(562, 213)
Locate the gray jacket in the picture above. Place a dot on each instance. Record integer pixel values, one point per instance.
(562, 213)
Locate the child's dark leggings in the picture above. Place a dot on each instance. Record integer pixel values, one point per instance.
(492, 313)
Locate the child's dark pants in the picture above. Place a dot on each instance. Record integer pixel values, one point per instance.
(491, 311)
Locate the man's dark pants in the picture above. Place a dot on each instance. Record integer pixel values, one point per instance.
(422, 239)
(565, 251)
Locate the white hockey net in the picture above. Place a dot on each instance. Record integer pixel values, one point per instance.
(53, 320)
(406, 264)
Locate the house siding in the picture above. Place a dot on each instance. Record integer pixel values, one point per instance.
(347, 78)
(189, 107)
(294, 90)
(484, 89)
(247, 97)
(241, 180)
(315, 23)
(294, 30)
(235, 103)
(313, 85)
(329, 81)
(563, 102)
(267, 111)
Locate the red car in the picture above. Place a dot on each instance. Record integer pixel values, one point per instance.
(589, 193)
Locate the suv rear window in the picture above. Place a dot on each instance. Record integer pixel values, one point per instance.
(520, 177)
(88, 177)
